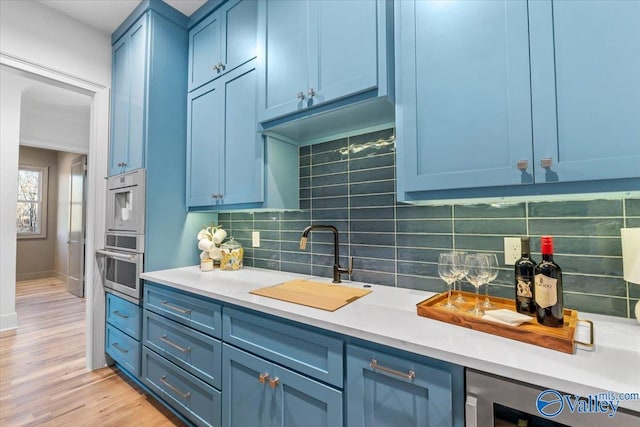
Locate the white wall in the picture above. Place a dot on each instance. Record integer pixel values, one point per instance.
(38, 40)
(62, 129)
(43, 36)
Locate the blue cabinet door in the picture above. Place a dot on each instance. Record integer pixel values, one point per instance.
(283, 30)
(258, 393)
(389, 391)
(204, 145)
(242, 169)
(343, 42)
(222, 42)
(129, 99)
(585, 63)
(463, 100)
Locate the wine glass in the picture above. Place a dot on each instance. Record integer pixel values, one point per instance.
(477, 267)
(448, 271)
(460, 273)
(492, 273)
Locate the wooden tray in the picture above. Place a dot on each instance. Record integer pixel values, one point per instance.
(560, 339)
(324, 296)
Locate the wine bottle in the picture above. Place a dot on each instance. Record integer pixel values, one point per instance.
(548, 287)
(524, 280)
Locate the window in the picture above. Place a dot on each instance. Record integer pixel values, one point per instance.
(31, 217)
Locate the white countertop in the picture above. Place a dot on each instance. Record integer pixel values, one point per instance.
(388, 316)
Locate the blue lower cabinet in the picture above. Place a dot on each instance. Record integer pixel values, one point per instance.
(124, 315)
(193, 351)
(196, 400)
(259, 393)
(123, 349)
(385, 390)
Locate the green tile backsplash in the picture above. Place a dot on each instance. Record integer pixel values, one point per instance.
(350, 183)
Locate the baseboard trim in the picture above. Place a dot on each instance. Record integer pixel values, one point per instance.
(36, 275)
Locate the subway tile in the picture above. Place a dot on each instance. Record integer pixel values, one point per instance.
(340, 178)
(430, 284)
(424, 212)
(632, 207)
(301, 215)
(291, 246)
(575, 227)
(633, 222)
(418, 255)
(305, 151)
(337, 144)
(242, 225)
(376, 239)
(376, 226)
(294, 267)
(329, 214)
(304, 193)
(330, 157)
(366, 251)
(381, 265)
(241, 216)
(571, 208)
(634, 290)
(442, 242)
(611, 306)
(304, 160)
(292, 230)
(321, 270)
(327, 249)
(305, 204)
(372, 143)
(266, 216)
(297, 257)
(480, 243)
(377, 278)
(266, 263)
(330, 191)
(364, 188)
(304, 171)
(491, 226)
(373, 200)
(424, 226)
(270, 235)
(271, 245)
(328, 168)
(266, 225)
(242, 236)
(305, 182)
(612, 286)
(341, 225)
(497, 210)
(607, 246)
(385, 160)
(375, 213)
(330, 202)
(501, 291)
(378, 174)
(589, 265)
(224, 218)
(418, 268)
(328, 260)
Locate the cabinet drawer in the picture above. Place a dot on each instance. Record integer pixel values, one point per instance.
(123, 349)
(124, 315)
(193, 398)
(309, 352)
(197, 313)
(193, 351)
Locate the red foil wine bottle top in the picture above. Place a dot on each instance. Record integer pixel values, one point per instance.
(546, 245)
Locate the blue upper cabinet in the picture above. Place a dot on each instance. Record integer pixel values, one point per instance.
(494, 95)
(321, 56)
(222, 42)
(128, 99)
(585, 65)
(463, 102)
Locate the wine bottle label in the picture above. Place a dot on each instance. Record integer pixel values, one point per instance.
(546, 291)
(524, 288)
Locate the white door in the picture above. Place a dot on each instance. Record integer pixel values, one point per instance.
(75, 278)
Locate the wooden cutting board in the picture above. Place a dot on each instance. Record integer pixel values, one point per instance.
(313, 294)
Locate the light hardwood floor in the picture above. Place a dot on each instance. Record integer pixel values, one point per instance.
(43, 378)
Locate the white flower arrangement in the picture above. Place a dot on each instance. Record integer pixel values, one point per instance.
(209, 240)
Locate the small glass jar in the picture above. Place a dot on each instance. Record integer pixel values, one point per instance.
(206, 264)
(232, 254)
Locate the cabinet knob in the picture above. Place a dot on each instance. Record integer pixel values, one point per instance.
(221, 66)
(522, 165)
(263, 377)
(273, 382)
(546, 162)
(214, 196)
(300, 96)
(311, 92)
(216, 68)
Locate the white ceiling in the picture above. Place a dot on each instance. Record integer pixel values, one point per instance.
(107, 15)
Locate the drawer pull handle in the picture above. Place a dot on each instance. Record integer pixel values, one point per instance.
(120, 348)
(273, 382)
(174, 345)
(119, 314)
(263, 377)
(174, 308)
(174, 389)
(409, 375)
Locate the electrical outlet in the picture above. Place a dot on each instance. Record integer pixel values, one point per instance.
(255, 239)
(512, 250)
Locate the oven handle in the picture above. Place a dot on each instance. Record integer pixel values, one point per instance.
(118, 255)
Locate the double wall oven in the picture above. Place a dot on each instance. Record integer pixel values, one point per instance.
(123, 255)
